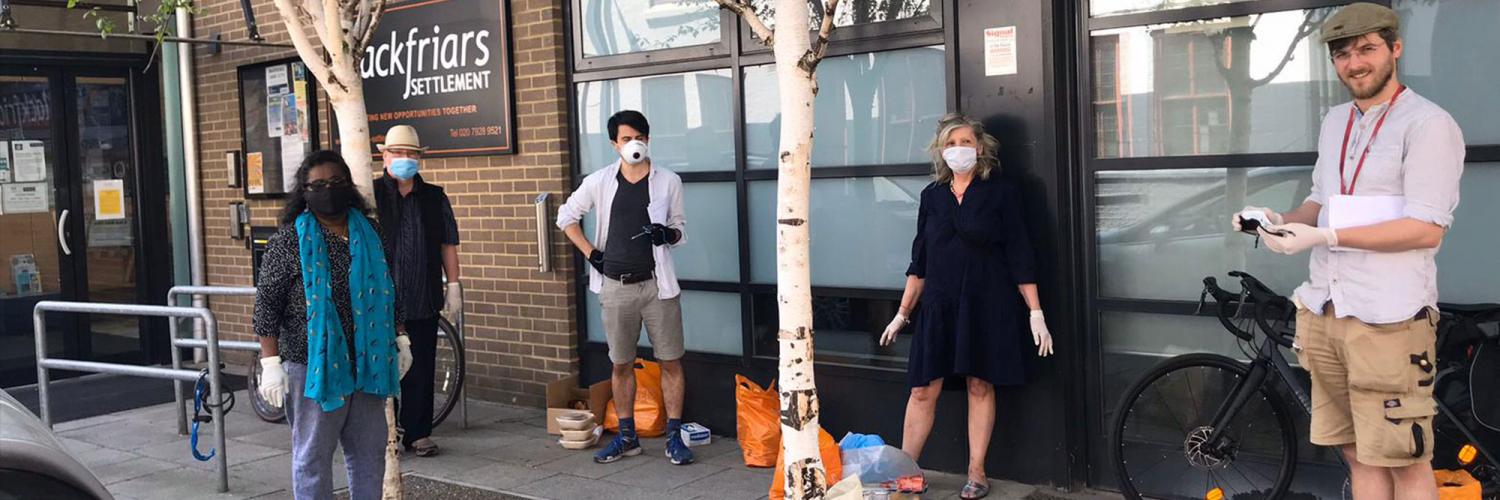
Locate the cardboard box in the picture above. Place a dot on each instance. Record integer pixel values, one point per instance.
(562, 393)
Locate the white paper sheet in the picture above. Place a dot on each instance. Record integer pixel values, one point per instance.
(28, 161)
(24, 198)
(1345, 211)
(4, 161)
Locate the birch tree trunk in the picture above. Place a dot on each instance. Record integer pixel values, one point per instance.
(330, 37)
(797, 57)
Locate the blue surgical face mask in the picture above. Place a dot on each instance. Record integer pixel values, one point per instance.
(404, 168)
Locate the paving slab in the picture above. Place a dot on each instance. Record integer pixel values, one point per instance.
(184, 483)
(730, 484)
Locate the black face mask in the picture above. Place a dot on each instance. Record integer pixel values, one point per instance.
(329, 202)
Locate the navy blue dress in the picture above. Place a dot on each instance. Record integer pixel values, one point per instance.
(971, 319)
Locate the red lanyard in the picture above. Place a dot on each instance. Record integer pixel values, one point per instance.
(1344, 150)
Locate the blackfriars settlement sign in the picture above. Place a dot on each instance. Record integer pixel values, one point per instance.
(444, 67)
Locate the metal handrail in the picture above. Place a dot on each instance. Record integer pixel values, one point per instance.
(179, 344)
(211, 331)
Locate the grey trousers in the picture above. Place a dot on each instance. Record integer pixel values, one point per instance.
(359, 426)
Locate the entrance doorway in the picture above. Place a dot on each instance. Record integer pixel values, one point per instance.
(82, 212)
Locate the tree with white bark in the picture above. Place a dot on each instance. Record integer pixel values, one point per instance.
(341, 29)
(330, 36)
(797, 57)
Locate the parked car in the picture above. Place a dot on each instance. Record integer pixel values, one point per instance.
(33, 464)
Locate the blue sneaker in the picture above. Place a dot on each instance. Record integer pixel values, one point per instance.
(619, 447)
(677, 451)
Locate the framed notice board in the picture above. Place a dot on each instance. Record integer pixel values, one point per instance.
(279, 125)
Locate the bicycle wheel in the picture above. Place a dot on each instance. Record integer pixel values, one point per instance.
(1162, 424)
(448, 380)
(262, 409)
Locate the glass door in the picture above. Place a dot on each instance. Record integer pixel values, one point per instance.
(103, 152)
(35, 195)
(69, 215)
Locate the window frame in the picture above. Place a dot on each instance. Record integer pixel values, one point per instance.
(737, 51)
(627, 60)
(882, 33)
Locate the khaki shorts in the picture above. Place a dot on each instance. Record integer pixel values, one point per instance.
(1371, 384)
(627, 307)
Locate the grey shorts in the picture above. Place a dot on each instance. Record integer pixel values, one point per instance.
(627, 307)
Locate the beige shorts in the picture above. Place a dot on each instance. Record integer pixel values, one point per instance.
(1371, 384)
(627, 307)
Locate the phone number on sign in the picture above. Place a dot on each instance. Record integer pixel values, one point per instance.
(474, 131)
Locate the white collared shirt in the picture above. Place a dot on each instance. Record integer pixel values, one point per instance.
(597, 191)
(1418, 155)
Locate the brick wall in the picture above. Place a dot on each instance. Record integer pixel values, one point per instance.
(522, 326)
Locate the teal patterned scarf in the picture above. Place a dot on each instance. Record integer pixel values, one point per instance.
(330, 381)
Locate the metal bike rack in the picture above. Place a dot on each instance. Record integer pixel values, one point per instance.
(178, 343)
(210, 327)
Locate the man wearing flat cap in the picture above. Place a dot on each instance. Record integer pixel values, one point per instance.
(1384, 190)
(421, 236)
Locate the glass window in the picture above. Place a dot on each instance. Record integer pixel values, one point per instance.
(712, 251)
(692, 128)
(612, 27)
(1439, 38)
(1467, 270)
(847, 330)
(862, 229)
(876, 108)
(852, 12)
(1250, 84)
(1099, 8)
(710, 322)
(1160, 232)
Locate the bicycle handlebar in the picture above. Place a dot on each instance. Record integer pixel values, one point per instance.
(1253, 293)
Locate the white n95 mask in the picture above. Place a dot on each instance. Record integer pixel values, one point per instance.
(634, 152)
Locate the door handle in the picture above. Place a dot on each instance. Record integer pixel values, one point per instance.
(62, 222)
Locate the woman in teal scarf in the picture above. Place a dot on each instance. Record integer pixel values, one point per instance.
(330, 331)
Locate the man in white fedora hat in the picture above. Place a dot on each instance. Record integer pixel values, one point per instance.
(421, 236)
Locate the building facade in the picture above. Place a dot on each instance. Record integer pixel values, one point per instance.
(1134, 126)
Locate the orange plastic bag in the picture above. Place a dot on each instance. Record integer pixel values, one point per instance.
(758, 420)
(833, 465)
(1457, 485)
(650, 410)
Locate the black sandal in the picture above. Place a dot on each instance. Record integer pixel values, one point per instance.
(974, 490)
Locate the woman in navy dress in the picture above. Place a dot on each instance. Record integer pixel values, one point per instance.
(973, 269)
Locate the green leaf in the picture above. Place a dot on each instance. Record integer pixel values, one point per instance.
(72, 3)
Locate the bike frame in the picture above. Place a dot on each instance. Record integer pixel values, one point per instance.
(1269, 360)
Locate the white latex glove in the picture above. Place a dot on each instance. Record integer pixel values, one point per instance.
(453, 300)
(272, 381)
(403, 354)
(893, 329)
(1297, 238)
(1234, 220)
(1040, 335)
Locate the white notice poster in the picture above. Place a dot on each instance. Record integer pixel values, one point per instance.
(4, 161)
(1000, 51)
(25, 198)
(28, 161)
(276, 80)
(274, 115)
(293, 149)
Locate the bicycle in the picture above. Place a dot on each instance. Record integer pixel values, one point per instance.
(1206, 425)
(448, 382)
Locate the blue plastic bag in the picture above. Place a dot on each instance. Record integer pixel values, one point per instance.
(854, 441)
